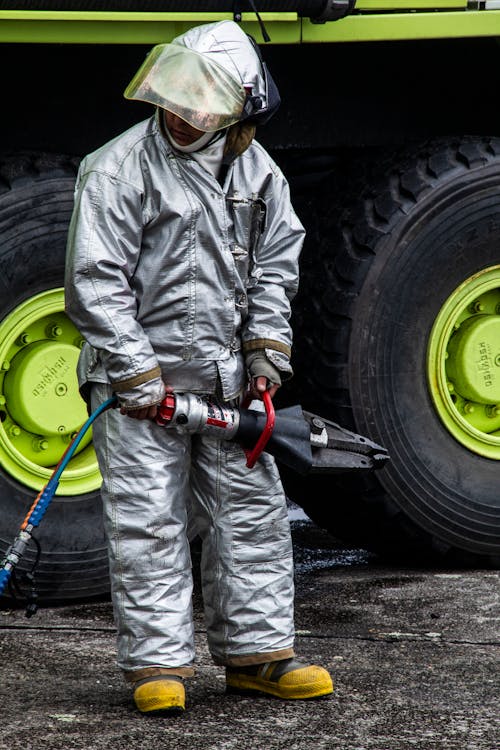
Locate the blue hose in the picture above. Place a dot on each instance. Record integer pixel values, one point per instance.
(51, 486)
(16, 550)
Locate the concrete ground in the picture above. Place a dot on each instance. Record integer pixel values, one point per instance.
(414, 655)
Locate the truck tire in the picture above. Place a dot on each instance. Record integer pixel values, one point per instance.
(398, 337)
(40, 407)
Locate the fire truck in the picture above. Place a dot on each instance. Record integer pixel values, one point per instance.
(389, 134)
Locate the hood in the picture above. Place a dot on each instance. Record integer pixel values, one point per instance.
(212, 76)
(226, 44)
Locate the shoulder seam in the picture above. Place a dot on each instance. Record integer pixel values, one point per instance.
(115, 174)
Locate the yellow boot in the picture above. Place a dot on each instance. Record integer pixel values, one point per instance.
(160, 695)
(288, 678)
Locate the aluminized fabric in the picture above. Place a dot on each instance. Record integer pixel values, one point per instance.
(226, 44)
(150, 476)
(169, 276)
(190, 85)
(166, 267)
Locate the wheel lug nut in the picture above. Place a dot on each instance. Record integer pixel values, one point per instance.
(14, 430)
(493, 410)
(468, 408)
(24, 339)
(69, 438)
(40, 445)
(54, 331)
(5, 365)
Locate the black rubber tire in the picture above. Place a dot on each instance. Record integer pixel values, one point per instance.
(373, 282)
(36, 201)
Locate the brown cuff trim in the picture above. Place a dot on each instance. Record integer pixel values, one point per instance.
(250, 346)
(142, 674)
(140, 406)
(247, 660)
(143, 377)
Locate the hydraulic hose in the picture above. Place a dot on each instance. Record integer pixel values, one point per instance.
(42, 501)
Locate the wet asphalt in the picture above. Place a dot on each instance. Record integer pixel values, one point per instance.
(414, 654)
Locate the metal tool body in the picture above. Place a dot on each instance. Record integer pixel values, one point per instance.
(301, 440)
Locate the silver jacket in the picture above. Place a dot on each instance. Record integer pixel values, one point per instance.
(171, 275)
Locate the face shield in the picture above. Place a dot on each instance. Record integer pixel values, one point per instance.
(190, 85)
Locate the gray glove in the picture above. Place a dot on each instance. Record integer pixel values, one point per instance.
(258, 366)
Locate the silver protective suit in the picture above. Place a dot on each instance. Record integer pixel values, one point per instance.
(149, 475)
(172, 278)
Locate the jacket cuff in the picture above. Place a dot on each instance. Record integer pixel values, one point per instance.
(278, 346)
(145, 394)
(143, 377)
(281, 362)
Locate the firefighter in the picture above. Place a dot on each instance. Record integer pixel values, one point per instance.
(182, 262)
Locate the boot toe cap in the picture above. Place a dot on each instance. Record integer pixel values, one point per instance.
(160, 696)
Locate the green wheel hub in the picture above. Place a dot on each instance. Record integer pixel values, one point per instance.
(40, 406)
(463, 364)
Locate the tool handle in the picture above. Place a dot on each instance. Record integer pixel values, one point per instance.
(253, 455)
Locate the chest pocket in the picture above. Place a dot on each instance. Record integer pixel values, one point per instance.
(249, 221)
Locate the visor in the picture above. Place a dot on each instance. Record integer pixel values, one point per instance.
(190, 85)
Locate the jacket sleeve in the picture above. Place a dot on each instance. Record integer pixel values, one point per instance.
(274, 277)
(104, 244)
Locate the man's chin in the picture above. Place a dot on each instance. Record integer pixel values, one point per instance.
(182, 139)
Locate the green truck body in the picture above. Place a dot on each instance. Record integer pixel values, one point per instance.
(389, 132)
(374, 21)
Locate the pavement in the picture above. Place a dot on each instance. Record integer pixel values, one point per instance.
(413, 652)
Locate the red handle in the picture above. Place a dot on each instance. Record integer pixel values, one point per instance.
(253, 455)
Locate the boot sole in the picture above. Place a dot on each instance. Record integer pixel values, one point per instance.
(302, 692)
(163, 712)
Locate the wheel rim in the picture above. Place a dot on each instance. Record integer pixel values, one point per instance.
(40, 406)
(463, 366)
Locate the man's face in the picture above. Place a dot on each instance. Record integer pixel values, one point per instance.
(183, 133)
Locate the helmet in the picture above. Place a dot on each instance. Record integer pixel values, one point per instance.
(212, 77)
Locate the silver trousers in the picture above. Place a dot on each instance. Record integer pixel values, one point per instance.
(152, 478)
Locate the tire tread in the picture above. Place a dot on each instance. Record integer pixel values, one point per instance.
(350, 238)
